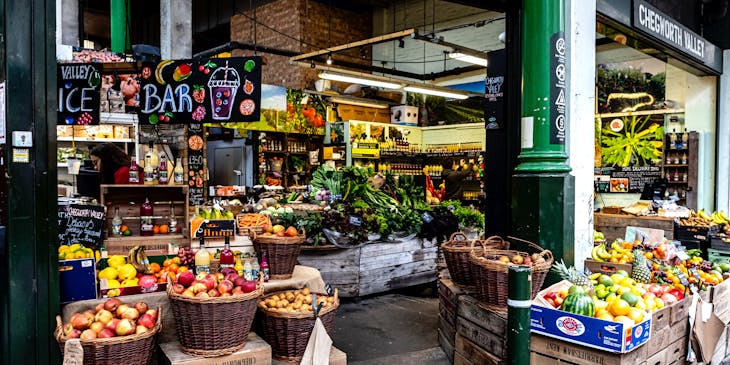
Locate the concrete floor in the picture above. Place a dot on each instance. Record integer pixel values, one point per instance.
(395, 328)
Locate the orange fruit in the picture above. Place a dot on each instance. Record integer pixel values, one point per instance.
(164, 229)
(155, 267)
(182, 268)
(156, 229)
(167, 262)
(173, 267)
(619, 307)
(124, 228)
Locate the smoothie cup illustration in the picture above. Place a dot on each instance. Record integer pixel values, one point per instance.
(222, 85)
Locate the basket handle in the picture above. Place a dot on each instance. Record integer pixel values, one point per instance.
(457, 234)
(302, 231)
(530, 244)
(59, 329)
(252, 233)
(498, 241)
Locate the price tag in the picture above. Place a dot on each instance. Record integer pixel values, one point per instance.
(682, 255)
(73, 353)
(426, 217)
(683, 279)
(328, 288)
(694, 272)
(356, 221)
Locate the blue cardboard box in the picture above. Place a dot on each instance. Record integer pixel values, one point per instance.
(78, 279)
(589, 331)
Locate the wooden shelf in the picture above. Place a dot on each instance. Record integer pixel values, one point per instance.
(93, 139)
(681, 165)
(143, 186)
(157, 237)
(641, 112)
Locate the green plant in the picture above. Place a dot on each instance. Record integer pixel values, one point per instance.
(467, 216)
(638, 144)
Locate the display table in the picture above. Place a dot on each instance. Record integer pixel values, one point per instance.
(375, 267)
(613, 226)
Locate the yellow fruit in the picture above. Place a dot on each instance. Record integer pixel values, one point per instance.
(113, 293)
(80, 254)
(625, 320)
(74, 247)
(636, 315)
(641, 305)
(62, 255)
(619, 307)
(659, 303)
(130, 282)
(127, 271)
(116, 261)
(63, 248)
(636, 291)
(113, 284)
(621, 290)
(627, 282)
(600, 305)
(108, 273)
(605, 316)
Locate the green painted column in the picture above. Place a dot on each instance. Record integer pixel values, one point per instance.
(518, 315)
(119, 31)
(543, 193)
(543, 86)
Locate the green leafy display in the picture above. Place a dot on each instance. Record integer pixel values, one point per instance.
(637, 144)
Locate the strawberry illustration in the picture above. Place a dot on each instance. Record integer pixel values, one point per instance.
(199, 93)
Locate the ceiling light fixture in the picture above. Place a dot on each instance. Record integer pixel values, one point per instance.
(428, 90)
(359, 102)
(359, 80)
(329, 59)
(468, 58)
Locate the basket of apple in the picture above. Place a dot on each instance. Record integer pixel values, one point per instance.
(113, 332)
(213, 312)
(282, 246)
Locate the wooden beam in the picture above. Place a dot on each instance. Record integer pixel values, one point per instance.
(364, 42)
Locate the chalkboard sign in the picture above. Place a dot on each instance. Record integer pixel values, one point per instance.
(203, 90)
(196, 174)
(80, 223)
(78, 93)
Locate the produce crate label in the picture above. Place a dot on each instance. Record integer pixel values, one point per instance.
(215, 228)
(589, 331)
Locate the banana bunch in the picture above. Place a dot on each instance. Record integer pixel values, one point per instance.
(138, 258)
(600, 254)
(214, 213)
(698, 219)
(720, 218)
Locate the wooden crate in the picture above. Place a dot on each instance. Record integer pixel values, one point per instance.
(447, 345)
(607, 268)
(581, 355)
(448, 330)
(256, 352)
(469, 308)
(337, 357)
(340, 268)
(679, 311)
(474, 353)
(482, 338)
(614, 226)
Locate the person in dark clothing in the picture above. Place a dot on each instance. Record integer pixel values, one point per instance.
(112, 164)
(453, 178)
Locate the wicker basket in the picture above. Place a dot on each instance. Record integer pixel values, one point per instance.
(129, 350)
(288, 333)
(490, 275)
(211, 327)
(242, 221)
(456, 252)
(282, 253)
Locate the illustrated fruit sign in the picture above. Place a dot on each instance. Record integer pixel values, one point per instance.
(196, 173)
(216, 90)
(78, 93)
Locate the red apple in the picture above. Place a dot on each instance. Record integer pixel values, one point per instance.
(213, 293)
(657, 290)
(104, 316)
(80, 321)
(112, 325)
(558, 301)
(200, 276)
(146, 320)
(141, 307)
(106, 333)
(648, 295)
(186, 278)
(125, 327)
(140, 329)
(178, 288)
(99, 307)
(209, 281)
(147, 281)
(188, 293)
(88, 335)
(239, 281)
(67, 328)
(112, 304)
(130, 313)
(121, 309)
(74, 334)
(249, 286)
(219, 277)
(153, 313)
(232, 277)
(202, 294)
(200, 287)
(225, 286)
(668, 299)
(550, 295)
(97, 327)
(237, 291)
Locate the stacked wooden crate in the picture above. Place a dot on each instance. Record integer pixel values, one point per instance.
(448, 293)
(481, 334)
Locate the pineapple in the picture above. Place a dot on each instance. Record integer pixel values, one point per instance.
(571, 274)
(640, 270)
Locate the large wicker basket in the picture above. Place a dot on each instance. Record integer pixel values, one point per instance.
(211, 327)
(288, 333)
(490, 274)
(456, 252)
(282, 253)
(127, 350)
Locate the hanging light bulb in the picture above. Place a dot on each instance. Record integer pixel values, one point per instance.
(329, 59)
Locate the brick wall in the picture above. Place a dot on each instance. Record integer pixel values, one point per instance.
(316, 25)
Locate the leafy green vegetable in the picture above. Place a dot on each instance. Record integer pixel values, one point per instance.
(639, 144)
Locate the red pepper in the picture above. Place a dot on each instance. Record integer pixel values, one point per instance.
(677, 293)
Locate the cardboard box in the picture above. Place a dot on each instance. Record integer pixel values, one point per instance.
(404, 115)
(337, 357)
(77, 279)
(582, 355)
(256, 352)
(589, 331)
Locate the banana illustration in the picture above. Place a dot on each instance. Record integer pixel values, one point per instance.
(158, 71)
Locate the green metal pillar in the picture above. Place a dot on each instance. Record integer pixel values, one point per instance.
(29, 271)
(518, 315)
(119, 31)
(542, 194)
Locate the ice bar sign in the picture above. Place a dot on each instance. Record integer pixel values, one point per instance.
(78, 93)
(203, 90)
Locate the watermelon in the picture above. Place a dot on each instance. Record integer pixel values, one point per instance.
(579, 302)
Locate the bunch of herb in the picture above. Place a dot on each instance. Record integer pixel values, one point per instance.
(467, 216)
(312, 225)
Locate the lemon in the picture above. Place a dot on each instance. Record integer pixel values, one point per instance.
(116, 261)
(130, 282)
(109, 273)
(627, 281)
(62, 255)
(127, 271)
(113, 284)
(75, 247)
(659, 303)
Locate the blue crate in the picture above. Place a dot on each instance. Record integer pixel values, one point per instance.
(78, 279)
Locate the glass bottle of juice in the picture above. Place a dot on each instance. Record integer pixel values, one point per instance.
(239, 267)
(146, 213)
(202, 258)
(172, 223)
(227, 255)
(248, 269)
(151, 165)
(178, 173)
(256, 268)
(164, 178)
(116, 223)
(134, 172)
(673, 140)
(265, 266)
(685, 139)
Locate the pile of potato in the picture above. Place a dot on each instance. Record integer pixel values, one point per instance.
(294, 301)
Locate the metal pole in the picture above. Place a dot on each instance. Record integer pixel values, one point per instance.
(118, 15)
(518, 315)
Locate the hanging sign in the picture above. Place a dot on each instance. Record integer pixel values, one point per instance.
(204, 91)
(196, 173)
(78, 93)
(494, 88)
(557, 88)
(80, 223)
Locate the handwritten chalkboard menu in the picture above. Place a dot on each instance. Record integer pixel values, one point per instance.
(80, 223)
(78, 93)
(196, 172)
(203, 90)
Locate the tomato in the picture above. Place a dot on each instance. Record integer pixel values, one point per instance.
(318, 120)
